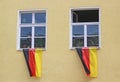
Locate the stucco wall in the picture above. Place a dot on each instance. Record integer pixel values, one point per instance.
(60, 64)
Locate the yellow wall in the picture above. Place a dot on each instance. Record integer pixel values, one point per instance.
(60, 64)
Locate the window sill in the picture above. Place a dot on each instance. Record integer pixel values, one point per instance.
(44, 49)
(72, 48)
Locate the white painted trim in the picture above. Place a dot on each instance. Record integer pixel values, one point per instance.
(100, 28)
(85, 23)
(18, 31)
(85, 35)
(70, 29)
(85, 8)
(46, 32)
(32, 10)
(31, 25)
(32, 38)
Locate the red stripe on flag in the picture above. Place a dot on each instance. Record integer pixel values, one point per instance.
(85, 56)
(32, 61)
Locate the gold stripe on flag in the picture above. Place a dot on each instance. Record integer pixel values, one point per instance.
(93, 62)
(38, 60)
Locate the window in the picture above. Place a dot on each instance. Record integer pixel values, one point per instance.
(85, 28)
(32, 29)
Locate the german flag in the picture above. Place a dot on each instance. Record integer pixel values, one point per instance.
(88, 58)
(33, 59)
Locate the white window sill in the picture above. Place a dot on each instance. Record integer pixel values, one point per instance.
(44, 49)
(72, 48)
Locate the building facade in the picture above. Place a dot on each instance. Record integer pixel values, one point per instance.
(57, 32)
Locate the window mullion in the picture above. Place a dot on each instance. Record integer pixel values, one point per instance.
(33, 18)
(33, 21)
(32, 37)
(85, 35)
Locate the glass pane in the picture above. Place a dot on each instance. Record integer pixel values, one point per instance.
(92, 29)
(40, 17)
(85, 16)
(25, 43)
(26, 31)
(92, 41)
(78, 42)
(26, 17)
(39, 43)
(39, 31)
(78, 30)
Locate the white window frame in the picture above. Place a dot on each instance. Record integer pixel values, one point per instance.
(85, 24)
(19, 26)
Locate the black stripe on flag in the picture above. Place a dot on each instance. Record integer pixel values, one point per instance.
(79, 51)
(26, 55)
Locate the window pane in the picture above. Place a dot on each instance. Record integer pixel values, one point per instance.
(26, 31)
(92, 41)
(25, 43)
(92, 29)
(26, 17)
(39, 43)
(78, 42)
(40, 17)
(39, 31)
(78, 30)
(85, 16)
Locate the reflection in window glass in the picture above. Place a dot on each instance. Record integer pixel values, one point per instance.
(92, 29)
(25, 43)
(26, 17)
(26, 31)
(39, 31)
(78, 41)
(78, 30)
(39, 42)
(92, 41)
(40, 17)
